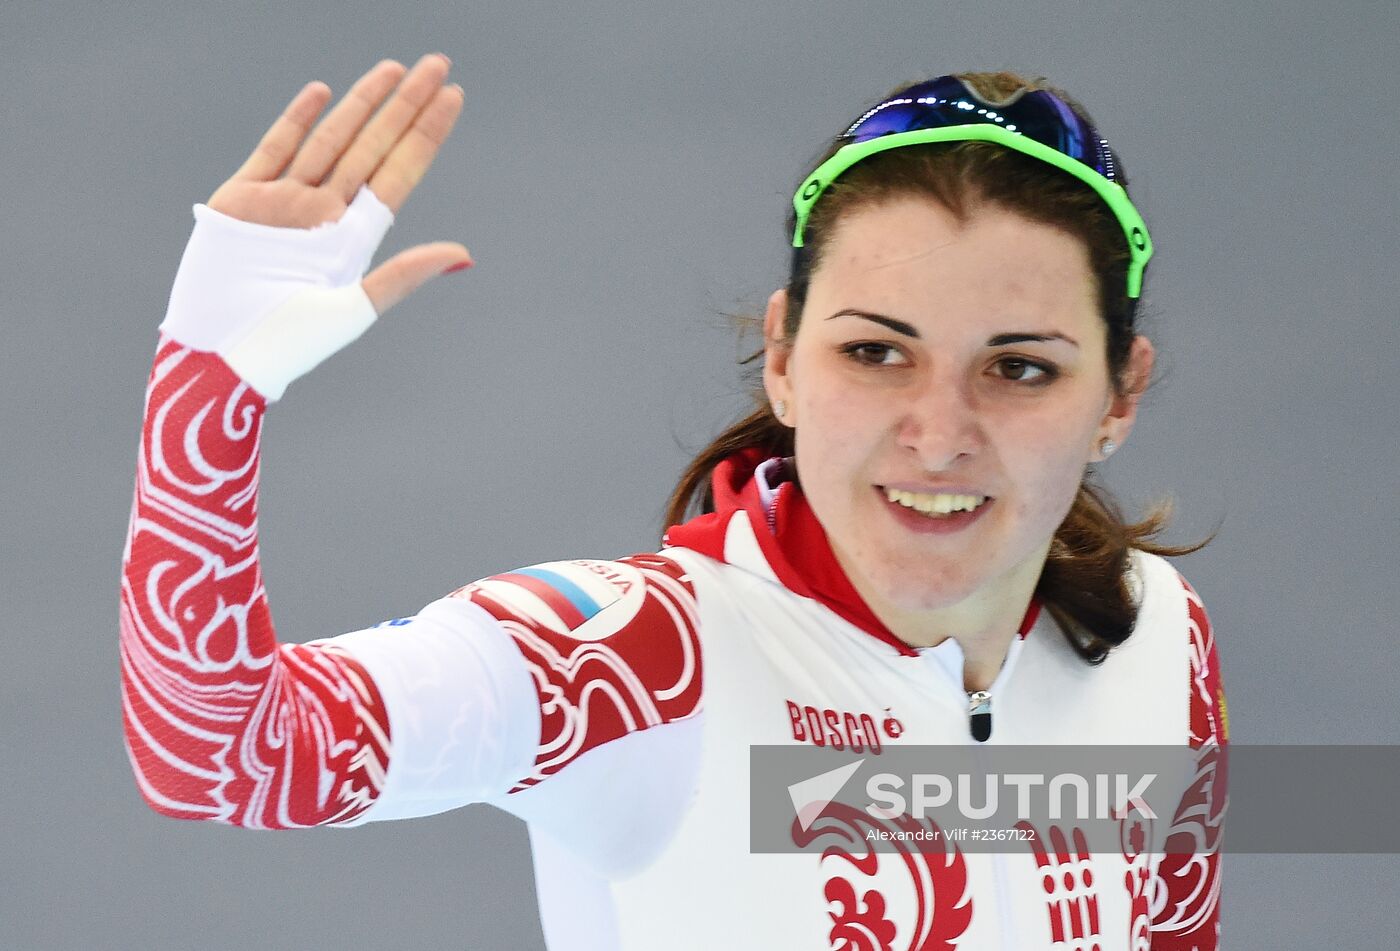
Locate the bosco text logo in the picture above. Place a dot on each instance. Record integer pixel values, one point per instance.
(841, 729)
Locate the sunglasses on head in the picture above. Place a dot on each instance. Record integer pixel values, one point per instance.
(1034, 122)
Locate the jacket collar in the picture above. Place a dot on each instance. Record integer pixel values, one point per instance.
(762, 523)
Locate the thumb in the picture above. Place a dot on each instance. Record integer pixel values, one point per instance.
(409, 270)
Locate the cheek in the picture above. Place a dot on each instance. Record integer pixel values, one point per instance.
(1048, 460)
(839, 433)
(824, 447)
(839, 422)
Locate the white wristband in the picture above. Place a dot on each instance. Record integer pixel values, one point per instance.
(275, 302)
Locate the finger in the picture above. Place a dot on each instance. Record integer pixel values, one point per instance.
(408, 162)
(280, 142)
(378, 137)
(339, 128)
(409, 270)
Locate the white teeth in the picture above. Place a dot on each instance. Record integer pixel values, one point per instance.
(940, 504)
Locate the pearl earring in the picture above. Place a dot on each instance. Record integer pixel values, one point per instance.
(1107, 446)
(779, 409)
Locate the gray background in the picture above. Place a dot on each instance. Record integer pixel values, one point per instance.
(621, 173)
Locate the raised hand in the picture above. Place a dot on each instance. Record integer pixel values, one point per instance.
(296, 180)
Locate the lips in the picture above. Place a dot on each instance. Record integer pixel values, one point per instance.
(935, 503)
(935, 523)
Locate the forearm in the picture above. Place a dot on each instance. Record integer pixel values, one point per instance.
(222, 722)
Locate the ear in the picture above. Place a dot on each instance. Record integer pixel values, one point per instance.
(1122, 408)
(777, 381)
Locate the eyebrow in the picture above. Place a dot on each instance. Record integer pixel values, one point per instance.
(1000, 340)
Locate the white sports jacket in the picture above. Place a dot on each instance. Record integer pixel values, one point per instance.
(612, 703)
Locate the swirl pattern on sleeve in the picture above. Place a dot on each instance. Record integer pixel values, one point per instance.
(223, 723)
(612, 647)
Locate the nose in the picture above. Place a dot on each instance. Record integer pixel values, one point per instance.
(941, 423)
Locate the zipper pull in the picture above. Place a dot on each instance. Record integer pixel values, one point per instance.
(980, 714)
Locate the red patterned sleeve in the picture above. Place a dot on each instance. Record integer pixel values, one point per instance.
(1186, 904)
(221, 721)
(611, 647)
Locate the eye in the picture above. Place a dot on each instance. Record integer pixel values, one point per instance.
(874, 354)
(1018, 367)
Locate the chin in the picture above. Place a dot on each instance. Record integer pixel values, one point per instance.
(917, 587)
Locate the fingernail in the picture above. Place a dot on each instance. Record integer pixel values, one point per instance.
(445, 59)
(459, 266)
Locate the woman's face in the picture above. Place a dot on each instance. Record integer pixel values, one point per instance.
(912, 371)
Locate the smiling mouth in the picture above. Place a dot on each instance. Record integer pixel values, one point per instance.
(935, 505)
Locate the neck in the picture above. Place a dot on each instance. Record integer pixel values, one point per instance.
(984, 624)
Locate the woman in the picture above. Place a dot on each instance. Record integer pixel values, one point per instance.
(953, 349)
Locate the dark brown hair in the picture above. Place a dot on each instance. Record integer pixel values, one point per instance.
(1083, 584)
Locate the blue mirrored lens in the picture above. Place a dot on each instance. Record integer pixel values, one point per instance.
(948, 101)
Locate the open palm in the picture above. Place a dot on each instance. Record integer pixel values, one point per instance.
(296, 180)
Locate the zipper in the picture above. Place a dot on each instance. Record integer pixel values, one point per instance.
(979, 717)
(979, 714)
(771, 509)
(979, 721)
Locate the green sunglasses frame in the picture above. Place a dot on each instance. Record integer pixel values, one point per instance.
(1134, 228)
